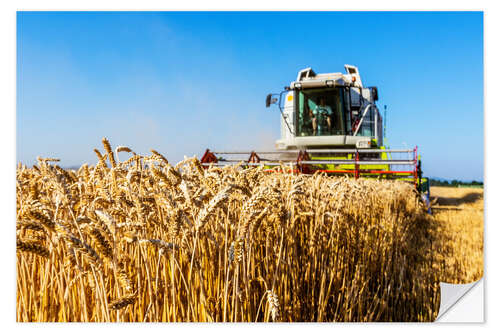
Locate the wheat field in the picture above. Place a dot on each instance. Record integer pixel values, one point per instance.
(459, 216)
(138, 239)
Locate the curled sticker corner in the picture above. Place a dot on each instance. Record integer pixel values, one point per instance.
(451, 294)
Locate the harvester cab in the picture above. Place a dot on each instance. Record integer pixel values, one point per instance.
(330, 123)
(328, 110)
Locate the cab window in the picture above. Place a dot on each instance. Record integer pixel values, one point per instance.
(320, 112)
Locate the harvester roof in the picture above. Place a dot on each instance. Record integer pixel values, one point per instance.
(307, 78)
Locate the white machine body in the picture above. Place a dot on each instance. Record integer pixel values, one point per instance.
(329, 110)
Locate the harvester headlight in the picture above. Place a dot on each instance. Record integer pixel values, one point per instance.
(363, 144)
(298, 85)
(329, 83)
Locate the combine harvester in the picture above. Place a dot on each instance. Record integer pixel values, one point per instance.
(330, 123)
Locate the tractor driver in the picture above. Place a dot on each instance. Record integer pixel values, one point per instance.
(319, 113)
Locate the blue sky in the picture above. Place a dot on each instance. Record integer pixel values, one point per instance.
(183, 82)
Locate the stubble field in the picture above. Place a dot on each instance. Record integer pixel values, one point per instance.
(459, 215)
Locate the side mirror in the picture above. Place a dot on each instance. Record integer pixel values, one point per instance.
(375, 93)
(270, 100)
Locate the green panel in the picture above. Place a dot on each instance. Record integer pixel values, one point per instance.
(383, 167)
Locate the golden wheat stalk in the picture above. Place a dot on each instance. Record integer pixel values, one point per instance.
(123, 302)
(109, 151)
(216, 202)
(32, 247)
(43, 220)
(273, 303)
(102, 243)
(159, 156)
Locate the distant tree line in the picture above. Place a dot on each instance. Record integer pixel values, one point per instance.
(455, 183)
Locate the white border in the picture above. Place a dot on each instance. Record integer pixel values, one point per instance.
(492, 121)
